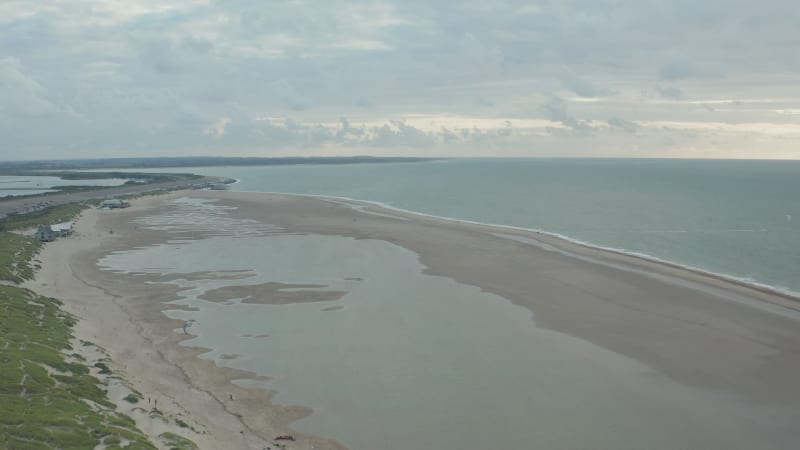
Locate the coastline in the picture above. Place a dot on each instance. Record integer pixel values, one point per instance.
(561, 240)
(143, 343)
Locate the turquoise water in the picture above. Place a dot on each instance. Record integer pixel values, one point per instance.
(407, 360)
(738, 218)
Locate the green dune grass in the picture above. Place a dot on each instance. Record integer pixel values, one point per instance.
(16, 254)
(49, 215)
(47, 398)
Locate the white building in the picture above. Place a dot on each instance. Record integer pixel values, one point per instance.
(62, 229)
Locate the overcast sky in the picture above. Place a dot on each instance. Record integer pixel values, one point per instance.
(641, 78)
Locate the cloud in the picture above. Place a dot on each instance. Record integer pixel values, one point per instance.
(283, 91)
(161, 57)
(675, 66)
(398, 133)
(479, 56)
(148, 77)
(622, 124)
(579, 85)
(556, 110)
(21, 93)
(670, 92)
(218, 128)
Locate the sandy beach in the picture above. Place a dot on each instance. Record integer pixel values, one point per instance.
(693, 329)
(128, 324)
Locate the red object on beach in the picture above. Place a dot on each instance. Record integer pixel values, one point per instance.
(284, 437)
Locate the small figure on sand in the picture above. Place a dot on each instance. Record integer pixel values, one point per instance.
(186, 325)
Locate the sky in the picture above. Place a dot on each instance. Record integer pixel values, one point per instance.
(538, 78)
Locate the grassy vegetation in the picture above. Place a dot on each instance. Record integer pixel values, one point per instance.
(48, 399)
(132, 177)
(103, 368)
(16, 253)
(132, 398)
(49, 215)
(175, 442)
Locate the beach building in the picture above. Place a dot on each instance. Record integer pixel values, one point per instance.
(63, 229)
(114, 203)
(45, 234)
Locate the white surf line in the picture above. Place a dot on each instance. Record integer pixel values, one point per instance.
(770, 307)
(363, 209)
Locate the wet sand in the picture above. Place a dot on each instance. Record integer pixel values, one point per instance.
(692, 328)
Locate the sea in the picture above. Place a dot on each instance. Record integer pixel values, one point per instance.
(409, 360)
(736, 218)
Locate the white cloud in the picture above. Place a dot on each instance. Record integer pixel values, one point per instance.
(579, 85)
(283, 91)
(24, 96)
(556, 110)
(670, 92)
(218, 128)
(622, 124)
(676, 65)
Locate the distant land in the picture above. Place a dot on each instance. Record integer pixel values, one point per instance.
(192, 161)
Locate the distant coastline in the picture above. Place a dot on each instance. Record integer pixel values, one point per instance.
(197, 161)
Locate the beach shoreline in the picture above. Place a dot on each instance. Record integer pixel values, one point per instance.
(772, 294)
(143, 347)
(671, 317)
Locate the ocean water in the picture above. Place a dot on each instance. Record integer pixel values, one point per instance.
(406, 360)
(736, 218)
